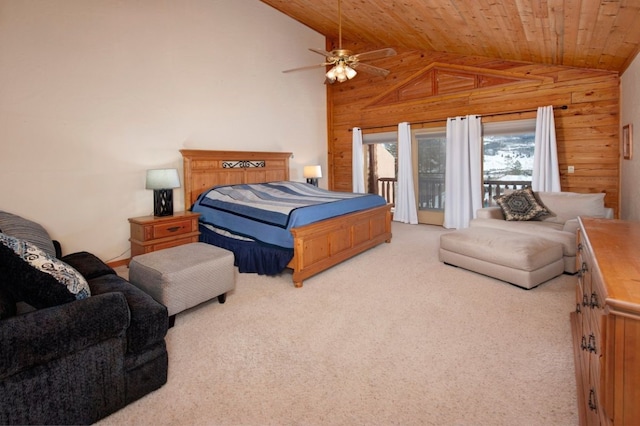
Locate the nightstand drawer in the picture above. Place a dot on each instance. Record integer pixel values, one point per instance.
(171, 228)
(150, 233)
(174, 243)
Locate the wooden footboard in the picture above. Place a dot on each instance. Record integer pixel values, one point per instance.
(321, 245)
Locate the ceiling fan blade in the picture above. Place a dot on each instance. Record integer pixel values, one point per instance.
(375, 54)
(321, 52)
(370, 69)
(307, 67)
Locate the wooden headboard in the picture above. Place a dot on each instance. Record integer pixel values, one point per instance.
(204, 169)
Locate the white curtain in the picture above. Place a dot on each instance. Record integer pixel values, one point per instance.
(405, 210)
(463, 175)
(357, 162)
(546, 175)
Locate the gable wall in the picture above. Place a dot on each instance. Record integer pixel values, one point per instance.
(94, 93)
(587, 132)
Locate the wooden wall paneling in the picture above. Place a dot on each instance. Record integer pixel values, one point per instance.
(522, 101)
(587, 132)
(594, 94)
(578, 74)
(584, 121)
(605, 135)
(594, 106)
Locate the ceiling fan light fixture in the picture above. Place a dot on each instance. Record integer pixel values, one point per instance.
(341, 72)
(331, 75)
(350, 72)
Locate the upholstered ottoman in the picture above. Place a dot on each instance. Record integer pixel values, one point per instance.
(519, 259)
(184, 276)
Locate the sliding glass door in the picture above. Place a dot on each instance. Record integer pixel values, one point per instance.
(429, 167)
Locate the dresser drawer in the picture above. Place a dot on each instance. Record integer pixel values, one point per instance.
(609, 383)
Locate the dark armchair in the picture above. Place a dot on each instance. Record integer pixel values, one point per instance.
(79, 361)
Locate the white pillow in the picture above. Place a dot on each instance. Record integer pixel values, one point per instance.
(569, 205)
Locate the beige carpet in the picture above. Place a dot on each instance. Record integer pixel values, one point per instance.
(390, 337)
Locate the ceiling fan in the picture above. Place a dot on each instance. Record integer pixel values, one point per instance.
(345, 62)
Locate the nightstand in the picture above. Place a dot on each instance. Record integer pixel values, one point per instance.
(151, 233)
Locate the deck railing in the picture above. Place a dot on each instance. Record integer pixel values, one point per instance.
(431, 191)
(493, 188)
(387, 188)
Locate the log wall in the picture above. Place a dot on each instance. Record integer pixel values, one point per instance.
(587, 131)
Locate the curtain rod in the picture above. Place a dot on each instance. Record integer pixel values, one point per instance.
(444, 119)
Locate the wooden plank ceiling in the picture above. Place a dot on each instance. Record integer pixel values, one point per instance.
(598, 34)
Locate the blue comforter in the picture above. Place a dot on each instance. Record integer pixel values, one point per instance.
(267, 212)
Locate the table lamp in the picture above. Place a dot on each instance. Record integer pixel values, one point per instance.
(162, 181)
(312, 173)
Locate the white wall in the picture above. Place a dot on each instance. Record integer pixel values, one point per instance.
(93, 93)
(630, 114)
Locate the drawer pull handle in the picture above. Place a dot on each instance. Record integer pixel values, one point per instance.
(580, 247)
(592, 401)
(585, 268)
(594, 300)
(578, 310)
(173, 229)
(585, 300)
(583, 345)
(592, 343)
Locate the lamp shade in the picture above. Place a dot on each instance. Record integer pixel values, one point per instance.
(162, 179)
(312, 172)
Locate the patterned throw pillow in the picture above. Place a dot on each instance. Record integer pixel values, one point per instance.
(522, 205)
(32, 276)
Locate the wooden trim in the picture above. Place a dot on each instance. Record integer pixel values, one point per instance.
(117, 263)
(518, 80)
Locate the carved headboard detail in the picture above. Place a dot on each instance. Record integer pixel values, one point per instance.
(204, 169)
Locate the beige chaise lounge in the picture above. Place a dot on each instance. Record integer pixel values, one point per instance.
(524, 253)
(519, 259)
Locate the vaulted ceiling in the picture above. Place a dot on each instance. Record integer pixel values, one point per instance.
(599, 34)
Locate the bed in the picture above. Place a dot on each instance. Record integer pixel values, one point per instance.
(316, 246)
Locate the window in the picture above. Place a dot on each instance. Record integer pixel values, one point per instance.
(507, 156)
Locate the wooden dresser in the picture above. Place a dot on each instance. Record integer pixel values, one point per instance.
(606, 322)
(151, 233)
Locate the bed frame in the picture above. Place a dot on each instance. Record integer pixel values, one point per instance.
(317, 246)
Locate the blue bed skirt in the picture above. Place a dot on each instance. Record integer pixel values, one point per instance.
(250, 256)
